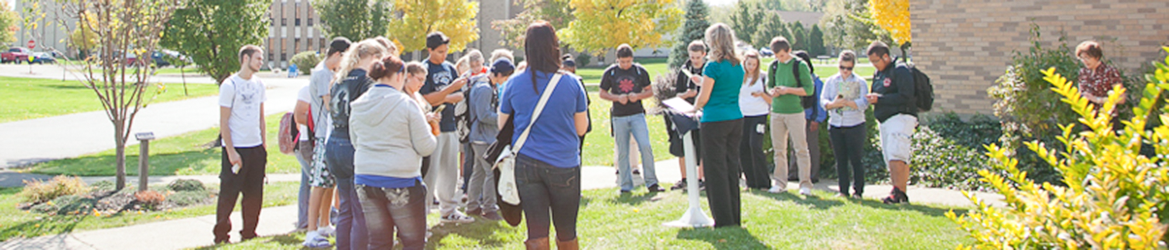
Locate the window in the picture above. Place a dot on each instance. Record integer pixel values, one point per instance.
(283, 56)
(310, 22)
(297, 22)
(283, 21)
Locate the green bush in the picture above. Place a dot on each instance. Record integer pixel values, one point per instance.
(305, 61)
(188, 198)
(40, 191)
(104, 185)
(1114, 197)
(185, 185)
(583, 60)
(66, 205)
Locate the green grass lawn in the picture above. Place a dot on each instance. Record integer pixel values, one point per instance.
(177, 155)
(598, 149)
(30, 98)
(189, 70)
(770, 221)
(19, 223)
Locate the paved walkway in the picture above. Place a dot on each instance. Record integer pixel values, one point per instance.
(72, 135)
(195, 232)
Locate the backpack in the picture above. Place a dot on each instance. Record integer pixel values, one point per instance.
(463, 118)
(923, 90)
(288, 134)
(806, 102)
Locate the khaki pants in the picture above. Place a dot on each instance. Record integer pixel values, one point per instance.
(794, 125)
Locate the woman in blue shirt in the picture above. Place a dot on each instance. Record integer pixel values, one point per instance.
(722, 125)
(547, 168)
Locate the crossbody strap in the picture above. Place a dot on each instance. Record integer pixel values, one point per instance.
(539, 109)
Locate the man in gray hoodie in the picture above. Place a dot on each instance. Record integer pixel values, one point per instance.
(484, 103)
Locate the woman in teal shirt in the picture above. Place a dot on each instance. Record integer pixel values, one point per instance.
(722, 125)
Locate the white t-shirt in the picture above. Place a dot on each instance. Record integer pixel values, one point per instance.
(752, 105)
(244, 97)
(303, 96)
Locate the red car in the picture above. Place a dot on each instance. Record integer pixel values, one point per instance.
(15, 54)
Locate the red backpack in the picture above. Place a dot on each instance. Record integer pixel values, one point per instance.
(288, 134)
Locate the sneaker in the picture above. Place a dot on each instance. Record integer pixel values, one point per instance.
(805, 191)
(475, 211)
(841, 195)
(624, 191)
(492, 216)
(655, 188)
(858, 196)
(701, 185)
(679, 185)
(776, 190)
(457, 217)
(327, 231)
(636, 172)
(313, 239)
(896, 197)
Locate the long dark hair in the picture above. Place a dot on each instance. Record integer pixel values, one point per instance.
(541, 49)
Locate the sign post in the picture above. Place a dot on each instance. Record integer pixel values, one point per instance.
(144, 159)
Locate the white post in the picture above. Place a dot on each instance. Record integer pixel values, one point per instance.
(694, 216)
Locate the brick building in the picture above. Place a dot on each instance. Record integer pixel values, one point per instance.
(965, 45)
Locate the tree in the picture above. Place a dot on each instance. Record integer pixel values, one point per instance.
(123, 27)
(454, 18)
(694, 29)
(893, 16)
(799, 37)
(84, 39)
(353, 19)
(847, 24)
(8, 20)
(211, 32)
(771, 27)
(602, 25)
(746, 20)
(556, 12)
(816, 41)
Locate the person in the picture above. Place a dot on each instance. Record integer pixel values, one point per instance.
(787, 115)
(891, 95)
(1097, 79)
(626, 84)
(415, 79)
(569, 66)
(476, 73)
(350, 82)
(687, 88)
(813, 117)
(547, 166)
(843, 98)
(245, 157)
(318, 91)
(390, 134)
(481, 198)
(722, 125)
(442, 88)
(754, 103)
(319, 177)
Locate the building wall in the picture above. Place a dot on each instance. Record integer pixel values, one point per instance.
(294, 28)
(965, 45)
(48, 34)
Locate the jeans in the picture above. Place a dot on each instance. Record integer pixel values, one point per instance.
(304, 155)
(722, 168)
(795, 126)
(848, 143)
(545, 188)
(395, 208)
(468, 165)
(250, 182)
(751, 155)
(481, 189)
(443, 177)
(350, 219)
(635, 126)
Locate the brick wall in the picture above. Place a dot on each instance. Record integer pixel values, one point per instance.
(966, 44)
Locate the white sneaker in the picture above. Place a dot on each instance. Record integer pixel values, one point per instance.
(313, 239)
(457, 217)
(805, 191)
(326, 231)
(776, 189)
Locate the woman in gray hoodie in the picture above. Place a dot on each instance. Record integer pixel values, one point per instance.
(391, 135)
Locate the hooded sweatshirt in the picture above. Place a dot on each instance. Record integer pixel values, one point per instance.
(389, 133)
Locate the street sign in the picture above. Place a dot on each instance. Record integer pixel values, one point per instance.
(32, 44)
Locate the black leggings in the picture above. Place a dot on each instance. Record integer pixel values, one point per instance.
(848, 143)
(755, 165)
(722, 168)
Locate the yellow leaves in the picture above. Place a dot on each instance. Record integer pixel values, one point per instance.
(893, 16)
(605, 24)
(454, 18)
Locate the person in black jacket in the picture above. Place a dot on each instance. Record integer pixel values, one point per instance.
(892, 96)
(687, 88)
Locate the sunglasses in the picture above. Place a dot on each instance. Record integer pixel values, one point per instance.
(845, 68)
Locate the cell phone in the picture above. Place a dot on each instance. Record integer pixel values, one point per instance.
(235, 168)
(439, 109)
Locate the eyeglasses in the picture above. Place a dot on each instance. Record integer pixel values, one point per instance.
(845, 68)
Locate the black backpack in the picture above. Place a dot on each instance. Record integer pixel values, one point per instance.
(808, 101)
(923, 90)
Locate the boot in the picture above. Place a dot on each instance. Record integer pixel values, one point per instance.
(568, 244)
(537, 244)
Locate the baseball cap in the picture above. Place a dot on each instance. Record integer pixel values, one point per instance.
(502, 65)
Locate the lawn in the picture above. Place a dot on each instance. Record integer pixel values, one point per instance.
(15, 222)
(770, 221)
(177, 155)
(598, 149)
(30, 98)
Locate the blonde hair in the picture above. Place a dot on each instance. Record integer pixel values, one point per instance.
(502, 53)
(365, 49)
(462, 66)
(391, 49)
(721, 40)
(415, 68)
(750, 76)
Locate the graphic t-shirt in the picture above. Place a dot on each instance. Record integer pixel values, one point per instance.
(438, 77)
(625, 81)
(244, 97)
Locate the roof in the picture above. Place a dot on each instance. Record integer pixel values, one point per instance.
(806, 18)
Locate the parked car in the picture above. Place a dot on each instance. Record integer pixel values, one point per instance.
(15, 54)
(43, 58)
(162, 57)
(766, 52)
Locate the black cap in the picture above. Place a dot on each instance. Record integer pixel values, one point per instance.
(435, 39)
(502, 65)
(569, 63)
(338, 45)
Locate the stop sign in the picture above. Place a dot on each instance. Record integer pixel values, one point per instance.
(32, 44)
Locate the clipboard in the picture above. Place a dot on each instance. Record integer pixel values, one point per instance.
(680, 106)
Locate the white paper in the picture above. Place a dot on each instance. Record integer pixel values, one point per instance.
(680, 106)
(688, 74)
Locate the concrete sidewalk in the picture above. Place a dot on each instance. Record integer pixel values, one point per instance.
(196, 232)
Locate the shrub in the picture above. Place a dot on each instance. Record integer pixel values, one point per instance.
(149, 199)
(185, 185)
(583, 60)
(305, 61)
(187, 198)
(40, 191)
(104, 185)
(1114, 197)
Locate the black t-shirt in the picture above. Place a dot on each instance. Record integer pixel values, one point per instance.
(353, 86)
(620, 81)
(437, 78)
(683, 83)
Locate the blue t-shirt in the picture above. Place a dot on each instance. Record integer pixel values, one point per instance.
(438, 77)
(723, 104)
(553, 140)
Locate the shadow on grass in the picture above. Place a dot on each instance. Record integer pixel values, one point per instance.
(923, 209)
(284, 240)
(635, 199)
(160, 164)
(724, 238)
(812, 201)
(487, 233)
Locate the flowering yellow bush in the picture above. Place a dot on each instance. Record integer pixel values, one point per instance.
(893, 16)
(1115, 197)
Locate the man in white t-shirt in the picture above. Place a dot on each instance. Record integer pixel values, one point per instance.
(241, 123)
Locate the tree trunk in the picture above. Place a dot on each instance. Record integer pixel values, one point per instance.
(120, 145)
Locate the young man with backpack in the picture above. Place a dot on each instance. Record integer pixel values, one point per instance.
(443, 89)
(813, 116)
(790, 84)
(245, 157)
(895, 107)
(626, 84)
